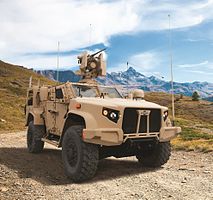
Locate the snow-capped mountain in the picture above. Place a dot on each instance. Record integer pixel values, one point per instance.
(133, 79)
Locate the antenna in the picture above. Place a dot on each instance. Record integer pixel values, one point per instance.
(90, 34)
(127, 67)
(57, 75)
(171, 68)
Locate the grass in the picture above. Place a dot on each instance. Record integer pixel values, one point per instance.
(14, 81)
(193, 145)
(193, 137)
(195, 119)
(193, 134)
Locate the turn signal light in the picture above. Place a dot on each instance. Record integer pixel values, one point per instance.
(78, 105)
(165, 115)
(83, 135)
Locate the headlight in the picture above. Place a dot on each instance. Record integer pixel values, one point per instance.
(111, 114)
(165, 115)
(105, 112)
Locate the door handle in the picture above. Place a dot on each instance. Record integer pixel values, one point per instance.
(53, 111)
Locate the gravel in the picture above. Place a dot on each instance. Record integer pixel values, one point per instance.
(187, 175)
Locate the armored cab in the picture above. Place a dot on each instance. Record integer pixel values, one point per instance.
(91, 122)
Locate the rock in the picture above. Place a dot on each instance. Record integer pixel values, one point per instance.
(192, 170)
(184, 180)
(4, 189)
(182, 168)
(3, 120)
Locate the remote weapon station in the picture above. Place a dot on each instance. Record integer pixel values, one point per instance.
(91, 122)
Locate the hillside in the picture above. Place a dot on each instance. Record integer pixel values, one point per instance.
(195, 118)
(14, 81)
(210, 98)
(64, 76)
(134, 79)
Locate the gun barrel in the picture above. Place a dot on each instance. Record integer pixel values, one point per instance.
(97, 52)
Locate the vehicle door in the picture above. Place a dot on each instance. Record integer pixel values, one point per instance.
(56, 109)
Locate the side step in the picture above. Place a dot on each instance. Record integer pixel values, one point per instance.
(53, 142)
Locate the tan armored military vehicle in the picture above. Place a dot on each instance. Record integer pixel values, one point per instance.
(91, 122)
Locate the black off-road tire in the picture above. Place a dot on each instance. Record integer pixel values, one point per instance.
(155, 157)
(80, 159)
(34, 135)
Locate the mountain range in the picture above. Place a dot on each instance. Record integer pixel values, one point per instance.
(133, 79)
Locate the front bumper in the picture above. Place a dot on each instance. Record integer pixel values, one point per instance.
(115, 136)
(168, 133)
(107, 137)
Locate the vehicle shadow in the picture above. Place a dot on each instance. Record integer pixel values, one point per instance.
(47, 167)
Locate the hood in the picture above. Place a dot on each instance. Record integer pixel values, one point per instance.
(117, 102)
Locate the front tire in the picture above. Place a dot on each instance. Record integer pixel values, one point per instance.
(80, 159)
(34, 135)
(155, 157)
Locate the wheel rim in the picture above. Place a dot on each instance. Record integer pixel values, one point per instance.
(72, 156)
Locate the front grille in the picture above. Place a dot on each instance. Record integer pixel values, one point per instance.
(130, 120)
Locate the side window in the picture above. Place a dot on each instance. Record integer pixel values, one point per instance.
(59, 93)
(30, 98)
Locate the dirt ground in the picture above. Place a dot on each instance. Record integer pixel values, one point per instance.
(187, 175)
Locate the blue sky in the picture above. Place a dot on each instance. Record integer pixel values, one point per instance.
(135, 31)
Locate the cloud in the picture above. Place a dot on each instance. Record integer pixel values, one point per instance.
(37, 25)
(199, 72)
(195, 40)
(39, 61)
(203, 68)
(183, 14)
(142, 62)
(145, 61)
(194, 64)
(47, 62)
(205, 65)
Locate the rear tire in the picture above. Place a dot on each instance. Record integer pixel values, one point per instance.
(155, 157)
(80, 159)
(34, 135)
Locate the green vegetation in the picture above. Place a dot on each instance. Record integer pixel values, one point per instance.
(191, 134)
(195, 96)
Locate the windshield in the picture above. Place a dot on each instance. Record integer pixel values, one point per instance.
(85, 91)
(110, 92)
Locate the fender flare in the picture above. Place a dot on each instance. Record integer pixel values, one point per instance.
(36, 117)
(89, 120)
(80, 118)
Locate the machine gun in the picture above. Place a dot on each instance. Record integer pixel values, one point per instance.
(91, 66)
